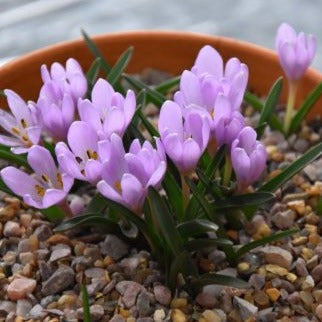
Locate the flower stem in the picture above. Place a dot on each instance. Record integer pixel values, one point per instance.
(292, 89)
(185, 192)
(227, 171)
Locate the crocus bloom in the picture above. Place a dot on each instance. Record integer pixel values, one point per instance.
(127, 176)
(59, 95)
(46, 187)
(248, 157)
(108, 112)
(80, 160)
(22, 124)
(295, 52)
(184, 137)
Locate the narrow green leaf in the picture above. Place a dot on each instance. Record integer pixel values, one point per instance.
(86, 310)
(196, 227)
(305, 108)
(168, 85)
(253, 100)
(2, 93)
(294, 168)
(96, 52)
(319, 207)
(202, 243)
(53, 213)
(97, 204)
(119, 67)
(165, 221)
(249, 199)
(263, 241)
(211, 186)
(218, 279)
(93, 72)
(147, 124)
(155, 97)
(17, 159)
(270, 104)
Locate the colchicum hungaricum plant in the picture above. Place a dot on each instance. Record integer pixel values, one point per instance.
(182, 185)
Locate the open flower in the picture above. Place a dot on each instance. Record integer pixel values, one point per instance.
(126, 177)
(59, 95)
(46, 187)
(295, 52)
(80, 160)
(22, 124)
(108, 112)
(184, 137)
(248, 157)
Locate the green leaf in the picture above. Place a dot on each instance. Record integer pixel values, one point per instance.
(211, 186)
(270, 104)
(147, 124)
(239, 201)
(86, 310)
(263, 241)
(17, 159)
(96, 52)
(205, 205)
(305, 108)
(155, 97)
(174, 194)
(196, 227)
(93, 72)
(119, 67)
(2, 93)
(168, 85)
(53, 213)
(294, 168)
(97, 204)
(164, 219)
(319, 207)
(253, 100)
(202, 243)
(218, 279)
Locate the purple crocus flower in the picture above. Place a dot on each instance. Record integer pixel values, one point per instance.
(59, 95)
(80, 160)
(22, 124)
(295, 52)
(127, 176)
(46, 187)
(248, 157)
(108, 112)
(184, 137)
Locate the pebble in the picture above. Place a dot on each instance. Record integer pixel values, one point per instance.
(261, 299)
(178, 316)
(316, 273)
(277, 255)
(275, 269)
(43, 232)
(12, 229)
(273, 294)
(162, 294)
(298, 206)
(318, 311)
(117, 318)
(210, 316)
(300, 267)
(257, 281)
(37, 312)
(206, 300)
(143, 304)
(245, 308)
(114, 247)
(159, 315)
(96, 312)
(23, 308)
(59, 281)
(7, 307)
(284, 219)
(129, 291)
(20, 287)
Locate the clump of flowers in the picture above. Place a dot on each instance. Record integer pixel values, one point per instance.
(203, 165)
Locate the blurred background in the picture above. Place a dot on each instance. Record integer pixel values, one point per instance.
(26, 25)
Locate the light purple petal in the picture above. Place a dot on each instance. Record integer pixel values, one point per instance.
(7, 121)
(190, 155)
(93, 170)
(114, 122)
(135, 146)
(57, 72)
(9, 140)
(247, 139)
(34, 133)
(19, 150)
(68, 110)
(68, 182)
(45, 76)
(129, 106)
(174, 148)
(132, 191)
(53, 197)
(109, 192)
(102, 94)
(158, 175)
(136, 167)
(190, 88)
(241, 164)
(284, 33)
(88, 113)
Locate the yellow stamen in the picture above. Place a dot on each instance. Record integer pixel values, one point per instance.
(45, 177)
(117, 186)
(26, 140)
(212, 113)
(23, 123)
(92, 154)
(15, 131)
(40, 190)
(59, 181)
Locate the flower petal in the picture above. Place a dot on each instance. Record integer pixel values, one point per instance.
(102, 94)
(114, 122)
(107, 191)
(88, 113)
(93, 170)
(132, 191)
(190, 155)
(157, 175)
(53, 197)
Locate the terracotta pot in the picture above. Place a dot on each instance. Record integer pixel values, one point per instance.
(168, 51)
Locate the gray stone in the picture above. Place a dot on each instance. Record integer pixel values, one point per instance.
(257, 281)
(245, 308)
(267, 315)
(45, 270)
(117, 318)
(23, 308)
(143, 304)
(300, 267)
(97, 285)
(37, 312)
(130, 294)
(95, 272)
(59, 253)
(59, 281)
(122, 286)
(7, 307)
(114, 247)
(11, 229)
(24, 246)
(43, 232)
(284, 219)
(206, 300)
(25, 258)
(45, 301)
(162, 294)
(301, 145)
(277, 256)
(316, 273)
(146, 319)
(318, 311)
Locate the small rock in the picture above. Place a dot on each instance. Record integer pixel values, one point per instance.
(307, 298)
(59, 281)
(246, 309)
(308, 283)
(301, 145)
(43, 232)
(316, 273)
(298, 206)
(210, 316)
(146, 319)
(24, 246)
(179, 303)
(273, 293)
(114, 247)
(278, 256)
(178, 316)
(257, 281)
(37, 312)
(318, 311)
(284, 219)
(162, 294)
(117, 318)
(97, 285)
(261, 299)
(206, 300)
(12, 229)
(95, 272)
(143, 304)
(6, 307)
(58, 239)
(159, 315)
(300, 267)
(97, 312)
(276, 269)
(129, 290)
(26, 258)
(23, 308)
(59, 253)
(45, 270)
(19, 288)
(267, 315)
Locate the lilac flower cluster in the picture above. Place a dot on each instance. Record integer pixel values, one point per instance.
(205, 113)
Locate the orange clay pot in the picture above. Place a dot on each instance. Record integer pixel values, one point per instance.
(167, 51)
